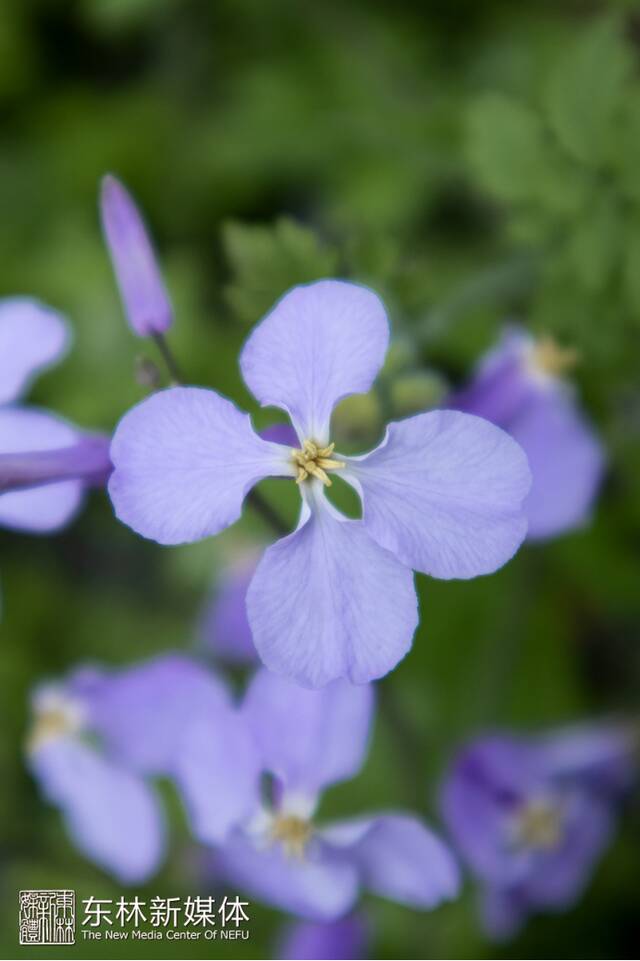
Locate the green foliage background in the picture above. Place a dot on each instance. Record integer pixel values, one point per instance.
(472, 161)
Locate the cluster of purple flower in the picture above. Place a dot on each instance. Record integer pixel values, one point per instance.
(327, 609)
(528, 815)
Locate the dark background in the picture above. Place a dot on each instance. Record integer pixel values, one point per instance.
(474, 162)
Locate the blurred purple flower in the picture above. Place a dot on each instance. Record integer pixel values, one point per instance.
(224, 627)
(531, 816)
(309, 940)
(99, 736)
(518, 386)
(305, 741)
(45, 463)
(442, 493)
(144, 295)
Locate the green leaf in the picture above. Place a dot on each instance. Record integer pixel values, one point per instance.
(594, 244)
(632, 267)
(585, 91)
(268, 260)
(515, 158)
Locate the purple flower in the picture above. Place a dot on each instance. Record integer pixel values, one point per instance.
(531, 816)
(345, 938)
(144, 295)
(305, 741)
(224, 626)
(442, 493)
(45, 463)
(518, 386)
(99, 737)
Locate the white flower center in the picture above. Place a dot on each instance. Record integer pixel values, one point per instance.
(55, 715)
(312, 460)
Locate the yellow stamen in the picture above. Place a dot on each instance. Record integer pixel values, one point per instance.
(48, 726)
(314, 461)
(293, 832)
(552, 359)
(538, 825)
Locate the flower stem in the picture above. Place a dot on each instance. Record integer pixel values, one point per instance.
(169, 358)
(267, 513)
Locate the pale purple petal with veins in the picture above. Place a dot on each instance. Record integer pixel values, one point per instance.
(32, 336)
(328, 602)
(112, 816)
(320, 343)
(142, 289)
(444, 492)
(309, 739)
(184, 460)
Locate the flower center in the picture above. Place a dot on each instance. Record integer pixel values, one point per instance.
(293, 832)
(55, 716)
(538, 825)
(549, 358)
(314, 461)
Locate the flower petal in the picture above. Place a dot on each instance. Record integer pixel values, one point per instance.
(502, 383)
(399, 858)
(218, 774)
(595, 755)
(444, 492)
(502, 911)
(142, 288)
(327, 602)
(487, 782)
(184, 460)
(309, 739)
(562, 873)
(87, 460)
(32, 336)
(566, 460)
(111, 815)
(144, 714)
(320, 343)
(345, 938)
(224, 627)
(319, 886)
(39, 509)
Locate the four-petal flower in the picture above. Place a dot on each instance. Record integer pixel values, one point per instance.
(278, 852)
(442, 493)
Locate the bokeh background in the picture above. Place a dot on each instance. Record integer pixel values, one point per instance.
(471, 161)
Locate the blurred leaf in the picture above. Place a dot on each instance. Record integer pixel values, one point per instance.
(632, 266)
(585, 89)
(416, 391)
(268, 260)
(594, 244)
(625, 146)
(516, 159)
